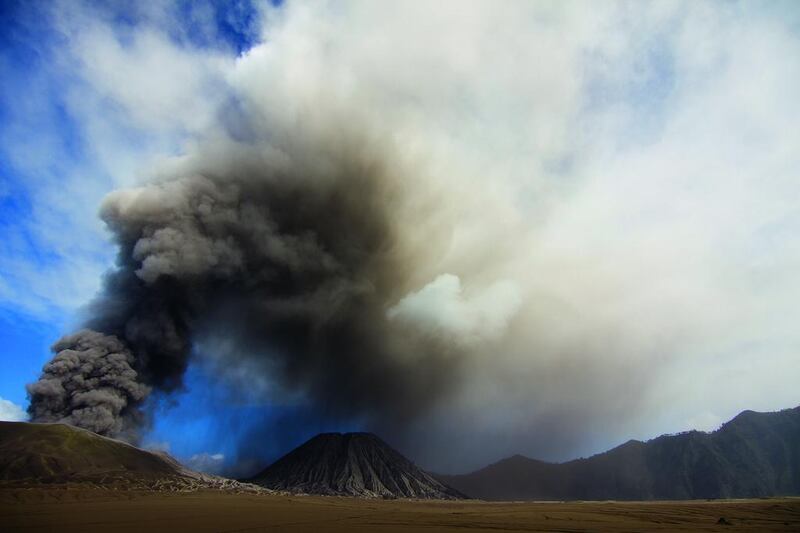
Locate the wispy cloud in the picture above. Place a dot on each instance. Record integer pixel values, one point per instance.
(210, 463)
(89, 105)
(11, 412)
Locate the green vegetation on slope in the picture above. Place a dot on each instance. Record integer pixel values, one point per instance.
(55, 452)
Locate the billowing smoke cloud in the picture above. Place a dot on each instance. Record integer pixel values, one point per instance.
(477, 228)
(294, 254)
(90, 383)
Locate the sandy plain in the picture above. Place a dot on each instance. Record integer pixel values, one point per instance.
(78, 509)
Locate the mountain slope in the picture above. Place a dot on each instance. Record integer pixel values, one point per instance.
(59, 454)
(753, 455)
(351, 464)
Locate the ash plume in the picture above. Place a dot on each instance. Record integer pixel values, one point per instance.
(89, 383)
(446, 222)
(293, 261)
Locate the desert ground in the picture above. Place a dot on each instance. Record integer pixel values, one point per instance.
(79, 509)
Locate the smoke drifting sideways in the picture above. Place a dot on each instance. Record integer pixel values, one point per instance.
(348, 231)
(401, 216)
(293, 256)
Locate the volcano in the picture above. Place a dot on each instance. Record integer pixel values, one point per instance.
(351, 464)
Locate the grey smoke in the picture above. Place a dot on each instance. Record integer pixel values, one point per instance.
(403, 216)
(294, 260)
(91, 383)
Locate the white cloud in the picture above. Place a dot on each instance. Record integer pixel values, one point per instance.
(210, 463)
(155, 85)
(104, 107)
(11, 412)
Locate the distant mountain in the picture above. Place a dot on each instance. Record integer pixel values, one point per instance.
(32, 454)
(351, 464)
(753, 455)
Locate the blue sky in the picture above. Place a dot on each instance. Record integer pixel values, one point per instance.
(37, 115)
(25, 334)
(648, 151)
(45, 284)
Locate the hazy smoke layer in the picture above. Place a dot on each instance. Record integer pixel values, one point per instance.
(89, 383)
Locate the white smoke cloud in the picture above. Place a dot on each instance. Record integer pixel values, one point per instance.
(440, 307)
(11, 412)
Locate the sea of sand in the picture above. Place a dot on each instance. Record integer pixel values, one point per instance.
(81, 509)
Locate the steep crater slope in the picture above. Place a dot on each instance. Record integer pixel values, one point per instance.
(351, 464)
